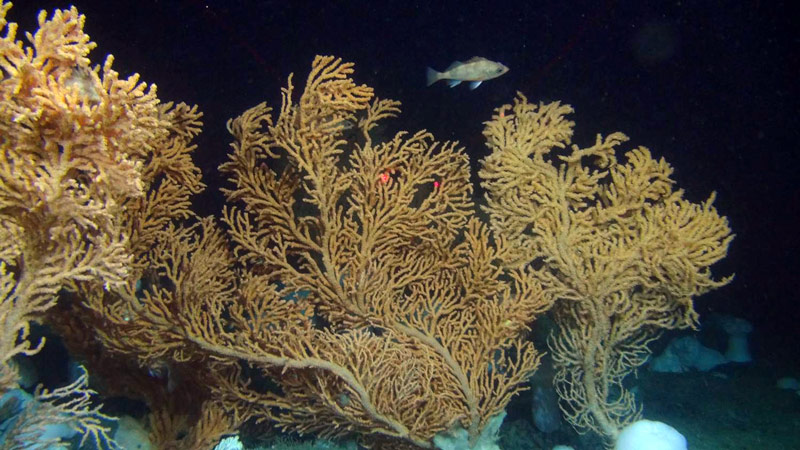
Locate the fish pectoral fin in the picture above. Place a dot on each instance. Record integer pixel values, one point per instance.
(453, 83)
(475, 84)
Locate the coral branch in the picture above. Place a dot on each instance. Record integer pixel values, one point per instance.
(623, 250)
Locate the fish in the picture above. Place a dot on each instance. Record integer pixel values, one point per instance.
(476, 71)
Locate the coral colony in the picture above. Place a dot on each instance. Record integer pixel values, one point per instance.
(348, 287)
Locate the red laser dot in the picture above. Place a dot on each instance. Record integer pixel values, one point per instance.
(435, 184)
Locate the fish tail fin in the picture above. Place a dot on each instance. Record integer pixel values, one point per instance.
(432, 76)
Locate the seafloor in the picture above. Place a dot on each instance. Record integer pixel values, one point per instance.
(734, 407)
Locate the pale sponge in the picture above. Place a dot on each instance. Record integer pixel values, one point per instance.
(650, 435)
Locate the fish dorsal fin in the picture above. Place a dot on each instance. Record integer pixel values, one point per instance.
(476, 59)
(454, 65)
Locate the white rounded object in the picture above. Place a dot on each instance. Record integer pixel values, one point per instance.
(650, 435)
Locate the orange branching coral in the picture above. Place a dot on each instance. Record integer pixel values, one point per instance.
(191, 272)
(154, 221)
(171, 431)
(621, 248)
(129, 334)
(72, 138)
(368, 291)
(95, 181)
